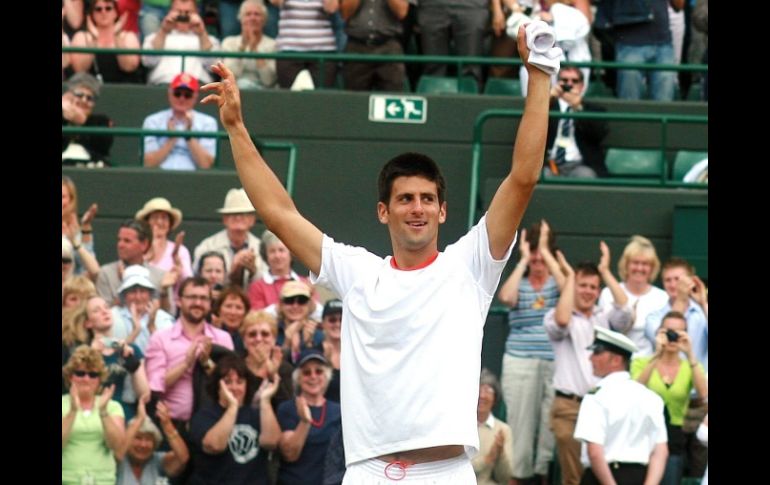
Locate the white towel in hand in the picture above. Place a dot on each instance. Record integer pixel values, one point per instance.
(542, 53)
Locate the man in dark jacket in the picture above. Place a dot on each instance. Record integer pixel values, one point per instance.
(574, 147)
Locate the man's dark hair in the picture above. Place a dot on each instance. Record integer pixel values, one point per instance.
(575, 69)
(142, 228)
(194, 281)
(676, 262)
(587, 268)
(410, 165)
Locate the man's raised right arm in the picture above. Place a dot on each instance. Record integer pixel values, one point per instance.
(265, 190)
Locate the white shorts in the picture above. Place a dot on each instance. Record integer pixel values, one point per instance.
(454, 471)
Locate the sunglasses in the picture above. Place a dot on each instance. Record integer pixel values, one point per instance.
(106, 8)
(334, 319)
(66, 260)
(91, 374)
(81, 95)
(291, 300)
(309, 372)
(262, 333)
(186, 93)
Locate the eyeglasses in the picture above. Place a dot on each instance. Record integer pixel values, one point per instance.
(87, 97)
(309, 372)
(66, 260)
(572, 80)
(82, 373)
(262, 333)
(178, 93)
(106, 8)
(196, 297)
(291, 300)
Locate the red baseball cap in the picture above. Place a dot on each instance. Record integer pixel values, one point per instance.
(186, 81)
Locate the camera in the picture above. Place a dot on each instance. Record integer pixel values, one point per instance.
(111, 342)
(183, 17)
(566, 87)
(671, 335)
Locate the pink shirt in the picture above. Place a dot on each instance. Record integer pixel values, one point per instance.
(266, 291)
(167, 350)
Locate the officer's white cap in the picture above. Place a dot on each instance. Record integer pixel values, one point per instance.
(607, 339)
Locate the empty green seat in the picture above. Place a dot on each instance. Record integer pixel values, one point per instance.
(447, 85)
(597, 89)
(696, 92)
(503, 86)
(624, 162)
(684, 161)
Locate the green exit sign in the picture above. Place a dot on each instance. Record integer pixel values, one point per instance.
(398, 109)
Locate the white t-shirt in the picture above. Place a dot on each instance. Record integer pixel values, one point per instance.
(411, 344)
(653, 300)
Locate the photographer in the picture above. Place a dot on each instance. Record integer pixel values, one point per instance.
(574, 147)
(672, 377)
(124, 362)
(182, 29)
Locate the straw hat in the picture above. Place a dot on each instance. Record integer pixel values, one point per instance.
(236, 202)
(160, 204)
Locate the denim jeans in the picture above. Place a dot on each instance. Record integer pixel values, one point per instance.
(150, 18)
(673, 473)
(631, 83)
(228, 19)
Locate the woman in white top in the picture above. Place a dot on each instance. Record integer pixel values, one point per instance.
(638, 267)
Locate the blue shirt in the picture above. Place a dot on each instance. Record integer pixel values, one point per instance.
(697, 329)
(527, 338)
(180, 157)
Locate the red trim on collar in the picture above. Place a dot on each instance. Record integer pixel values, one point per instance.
(422, 265)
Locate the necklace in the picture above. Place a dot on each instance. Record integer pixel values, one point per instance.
(668, 372)
(320, 421)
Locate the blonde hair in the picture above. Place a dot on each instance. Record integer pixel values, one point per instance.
(73, 329)
(70, 184)
(78, 285)
(254, 317)
(639, 246)
(85, 357)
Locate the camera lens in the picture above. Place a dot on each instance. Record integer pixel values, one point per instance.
(671, 335)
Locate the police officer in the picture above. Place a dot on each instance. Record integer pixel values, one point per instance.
(620, 423)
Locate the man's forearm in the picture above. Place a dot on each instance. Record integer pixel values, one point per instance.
(599, 466)
(201, 157)
(155, 158)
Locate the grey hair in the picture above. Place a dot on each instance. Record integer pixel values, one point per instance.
(148, 427)
(86, 80)
(259, 5)
(490, 379)
(295, 375)
(268, 237)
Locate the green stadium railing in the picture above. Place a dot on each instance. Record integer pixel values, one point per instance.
(323, 57)
(662, 181)
(139, 132)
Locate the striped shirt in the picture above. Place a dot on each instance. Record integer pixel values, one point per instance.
(527, 338)
(304, 26)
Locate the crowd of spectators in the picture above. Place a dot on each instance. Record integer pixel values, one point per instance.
(661, 32)
(195, 373)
